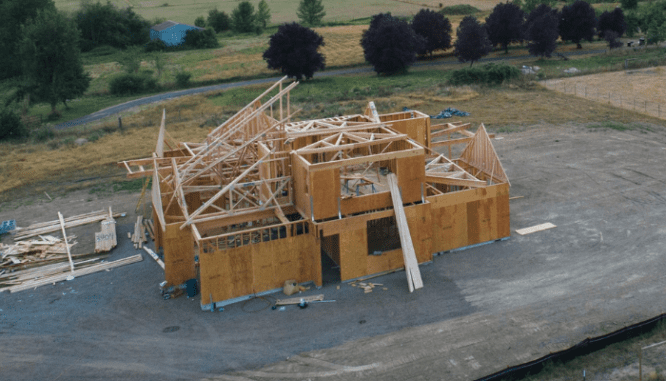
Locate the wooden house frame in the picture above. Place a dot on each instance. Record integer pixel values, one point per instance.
(262, 197)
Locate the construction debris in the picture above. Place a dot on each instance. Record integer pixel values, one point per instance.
(41, 280)
(306, 299)
(54, 226)
(7, 226)
(154, 256)
(367, 287)
(139, 236)
(536, 228)
(106, 239)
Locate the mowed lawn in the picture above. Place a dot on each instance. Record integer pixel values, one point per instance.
(281, 10)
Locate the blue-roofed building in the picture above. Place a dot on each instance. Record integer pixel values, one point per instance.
(171, 32)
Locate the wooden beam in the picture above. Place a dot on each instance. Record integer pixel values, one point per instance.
(310, 151)
(414, 280)
(366, 159)
(64, 237)
(455, 181)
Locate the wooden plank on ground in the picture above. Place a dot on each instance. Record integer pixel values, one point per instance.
(307, 299)
(414, 280)
(77, 273)
(64, 237)
(536, 228)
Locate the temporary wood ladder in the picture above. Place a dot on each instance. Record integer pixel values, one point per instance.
(411, 264)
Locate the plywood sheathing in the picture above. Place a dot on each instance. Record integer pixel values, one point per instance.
(262, 195)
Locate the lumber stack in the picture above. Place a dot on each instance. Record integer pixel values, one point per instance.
(139, 236)
(53, 278)
(27, 261)
(54, 226)
(46, 249)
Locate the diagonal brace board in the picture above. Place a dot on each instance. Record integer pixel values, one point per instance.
(411, 264)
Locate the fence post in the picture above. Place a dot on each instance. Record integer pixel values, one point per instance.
(645, 106)
(659, 109)
(609, 97)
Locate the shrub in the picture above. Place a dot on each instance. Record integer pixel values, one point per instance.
(629, 4)
(310, 12)
(200, 22)
(243, 18)
(130, 83)
(155, 45)
(101, 51)
(201, 39)
(489, 74)
(293, 50)
(459, 9)
(183, 78)
(42, 134)
(11, 126)
(217, 20)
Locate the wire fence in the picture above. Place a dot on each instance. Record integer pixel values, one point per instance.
(599, 94)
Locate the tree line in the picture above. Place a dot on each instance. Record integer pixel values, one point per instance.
(392, 44)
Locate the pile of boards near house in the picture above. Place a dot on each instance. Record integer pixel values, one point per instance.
(259, 200)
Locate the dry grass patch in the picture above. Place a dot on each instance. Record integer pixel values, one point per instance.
(627, 89)
(191, 118)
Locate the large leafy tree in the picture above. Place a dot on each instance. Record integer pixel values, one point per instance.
(13, 13)
(577, 22)
(218, 20)
(434, 28)
(243, 18)
(613, 21)
(472, 43)
(293, 49)
(263, 13)
(390, 44)
(51, 61)
(542, 31)
(310, 12)
(105, 24)
(505, 25)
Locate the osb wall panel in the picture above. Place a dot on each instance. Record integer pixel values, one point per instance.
(325, 191)
(469, 217)
(231, 273)
(411, 176)
(354, 259)
(300, 183)
(178, 254)
(157, 231)
(366, 203)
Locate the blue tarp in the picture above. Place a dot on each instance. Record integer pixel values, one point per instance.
(7, 226)
(448, 113)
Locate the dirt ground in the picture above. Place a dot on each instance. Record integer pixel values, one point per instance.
(641, 90)
(481, 310)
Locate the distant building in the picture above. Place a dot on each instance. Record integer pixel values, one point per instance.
(171, 32)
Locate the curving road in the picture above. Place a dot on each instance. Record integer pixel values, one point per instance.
(175, 94)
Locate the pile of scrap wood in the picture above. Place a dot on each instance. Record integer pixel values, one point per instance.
(27, 262)
(46, 249)
(32, 263)
(139, 236)
(54, 226)
(367, 287)
(30, 278)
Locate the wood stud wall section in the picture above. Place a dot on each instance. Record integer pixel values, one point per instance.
(263, 196)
